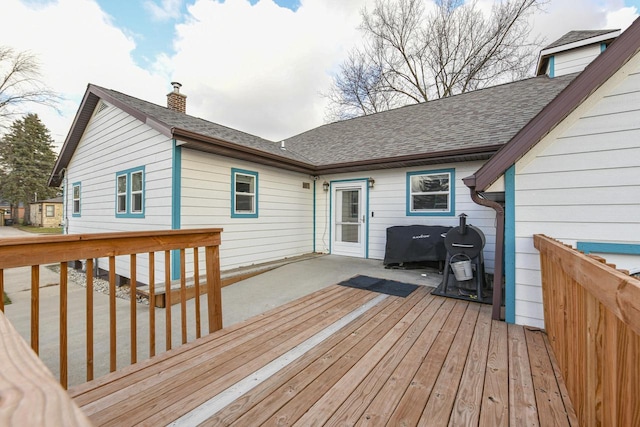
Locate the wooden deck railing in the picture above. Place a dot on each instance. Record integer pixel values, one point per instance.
(592, 318)
(36, 251)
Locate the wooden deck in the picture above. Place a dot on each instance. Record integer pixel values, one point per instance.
(420, 360)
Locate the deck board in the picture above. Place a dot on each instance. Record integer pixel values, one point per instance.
(422, 360)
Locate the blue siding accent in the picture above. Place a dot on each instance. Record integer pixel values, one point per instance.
(452, 193)
(234, 214)
(128, 173)
(366, 224)
(609, 248)
(176, 192)
(552, 66)
(510, 244)
(176, 186)
(79, 185)
(314, 215)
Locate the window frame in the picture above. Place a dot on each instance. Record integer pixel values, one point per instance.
(53, 211)
(244, 214)
(75, 213)
(451, 208)
(128, 194)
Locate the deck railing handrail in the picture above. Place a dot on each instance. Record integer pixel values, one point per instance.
(592, 318)
(43, 250)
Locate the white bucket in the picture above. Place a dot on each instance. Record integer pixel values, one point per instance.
(461, 269)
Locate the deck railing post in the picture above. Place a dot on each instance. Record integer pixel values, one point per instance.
(35, 308)
(2, 290)
(89, 297)
(167, 298)
(112, 314)
(132, 305)
(152, 298)
(63, 324)
(214, 295)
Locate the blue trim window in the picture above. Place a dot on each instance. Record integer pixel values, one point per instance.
(244, 194)
(76, 194)
(431, 193)
(130, 193)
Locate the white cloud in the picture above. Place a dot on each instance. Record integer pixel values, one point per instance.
(257, 68)
(562, 16)
(168, 9)
(76, 43)
(260, 68)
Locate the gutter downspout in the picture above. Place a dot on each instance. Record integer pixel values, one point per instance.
(499, 250)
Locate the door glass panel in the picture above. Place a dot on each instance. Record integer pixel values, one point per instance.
(349, 222)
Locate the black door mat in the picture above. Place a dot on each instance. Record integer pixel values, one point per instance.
(383, 286)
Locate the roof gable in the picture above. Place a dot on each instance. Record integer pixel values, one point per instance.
(581, 36)
(594, 75)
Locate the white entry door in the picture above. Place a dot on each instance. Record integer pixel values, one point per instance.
(349, 219)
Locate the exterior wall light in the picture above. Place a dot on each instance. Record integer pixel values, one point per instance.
(325, 186)
(371, 181)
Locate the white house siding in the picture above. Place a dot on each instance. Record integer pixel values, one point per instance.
(115, 141)
(575, 60)
(284, 227)
(388, 201)
(581, 183)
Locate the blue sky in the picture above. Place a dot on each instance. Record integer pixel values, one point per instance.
(259, 66)
(152, 25)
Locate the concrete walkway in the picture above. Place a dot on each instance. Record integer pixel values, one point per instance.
(240, 301)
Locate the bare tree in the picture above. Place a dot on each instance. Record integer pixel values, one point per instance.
(412, 54)
(359, 88)
(20, 84)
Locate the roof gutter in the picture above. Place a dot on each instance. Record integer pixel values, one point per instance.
(498, 274)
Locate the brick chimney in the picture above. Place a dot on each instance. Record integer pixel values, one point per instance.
(175, 100)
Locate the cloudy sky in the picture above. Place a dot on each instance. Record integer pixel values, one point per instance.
(259, 66)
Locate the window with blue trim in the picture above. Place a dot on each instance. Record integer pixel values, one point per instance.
(130, 193)
(244, 194)
(76, 194)
(431, 192)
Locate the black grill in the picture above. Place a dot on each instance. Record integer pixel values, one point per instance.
(464, 245)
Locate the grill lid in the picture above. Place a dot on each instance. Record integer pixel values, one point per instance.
(464, 239)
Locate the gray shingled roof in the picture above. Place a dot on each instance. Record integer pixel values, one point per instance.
(486, 117)
(470, 124)
(174, 119)
(576, 36)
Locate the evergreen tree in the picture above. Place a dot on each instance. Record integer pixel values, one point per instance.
(26, 160)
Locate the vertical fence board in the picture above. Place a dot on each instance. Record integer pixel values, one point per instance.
(183, 295)
(152, 298)
(89, 317)
(167, 296)
(35, 308)
(196, 285)
(132, 305)
(63, 324)
(213, 288)
(2, 289)
(112, 315)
